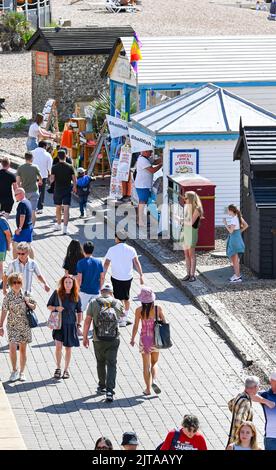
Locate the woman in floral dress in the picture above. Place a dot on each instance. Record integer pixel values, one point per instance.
(150, 354)
(19, 332)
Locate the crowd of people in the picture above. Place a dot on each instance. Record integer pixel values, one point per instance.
(85, 293)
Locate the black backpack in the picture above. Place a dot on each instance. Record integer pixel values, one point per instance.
(174, 440)
(107, 322)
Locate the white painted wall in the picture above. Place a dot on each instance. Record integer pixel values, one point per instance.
(215, 163)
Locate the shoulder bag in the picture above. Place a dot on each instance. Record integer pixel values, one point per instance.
(31, 316)
(162, 336)
(55, 319)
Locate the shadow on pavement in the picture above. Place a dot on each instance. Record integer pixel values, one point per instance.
(81, 404)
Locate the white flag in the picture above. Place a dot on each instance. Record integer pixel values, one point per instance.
(117, 127)
(140, 141)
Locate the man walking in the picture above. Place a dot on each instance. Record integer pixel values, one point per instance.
(105, 312)
(270, 414)
(43, 160)
(241, 406)
(90, 275)
(29, 177)
(5, 242)
(7, 184)
(122, 257)
(27, 267)
(63, 174)
(24, 230)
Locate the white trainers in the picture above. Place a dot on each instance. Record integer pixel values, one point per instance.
(22, 377)
(122, 322)
(235, 279)
(64, 229)
(14, 376)
(57, 227)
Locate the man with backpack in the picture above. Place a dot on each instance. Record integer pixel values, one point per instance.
(105, 312)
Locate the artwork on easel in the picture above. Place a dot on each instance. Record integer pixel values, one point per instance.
(50, 116)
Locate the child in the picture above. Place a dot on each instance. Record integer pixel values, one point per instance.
(83, 183)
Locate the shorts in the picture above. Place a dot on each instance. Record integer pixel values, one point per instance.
(3, 255)
(143, 194)
(6, 205)
(31, 143)
(26, 235)
(33, 198)
(121, 289)
(62, 199)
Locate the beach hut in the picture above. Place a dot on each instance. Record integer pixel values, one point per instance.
(198, 132)
(244, 65)
(256, 151)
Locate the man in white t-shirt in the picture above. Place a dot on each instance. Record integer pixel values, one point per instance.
(143, 181)
(122, 257)
(44, 161)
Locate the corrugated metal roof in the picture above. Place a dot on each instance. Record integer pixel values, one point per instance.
(209, 109)
(205, 59)
(79, 41)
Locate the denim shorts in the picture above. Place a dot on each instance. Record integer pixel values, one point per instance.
(26, 235)
(143, 194)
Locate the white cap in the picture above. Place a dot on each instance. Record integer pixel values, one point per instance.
(80, 170)
(273, 375)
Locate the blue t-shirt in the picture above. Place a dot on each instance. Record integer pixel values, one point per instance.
(4, 226)
(24, 208)
(90, 268)
(270, 414)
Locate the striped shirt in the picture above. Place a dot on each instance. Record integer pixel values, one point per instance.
(27, 270)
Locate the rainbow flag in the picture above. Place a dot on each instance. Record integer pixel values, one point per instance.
(135, 53)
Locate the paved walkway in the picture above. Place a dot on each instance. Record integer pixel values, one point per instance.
(198, 375)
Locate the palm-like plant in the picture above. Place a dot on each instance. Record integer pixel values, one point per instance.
(15, 30)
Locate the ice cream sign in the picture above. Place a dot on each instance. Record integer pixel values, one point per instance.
(183, 161)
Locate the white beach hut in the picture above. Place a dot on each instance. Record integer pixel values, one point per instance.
(201, 129)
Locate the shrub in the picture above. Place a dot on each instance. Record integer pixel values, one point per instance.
(15, 31)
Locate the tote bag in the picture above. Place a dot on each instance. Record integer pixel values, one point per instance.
(162, 335)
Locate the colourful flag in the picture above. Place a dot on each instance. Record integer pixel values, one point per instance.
(135, 53)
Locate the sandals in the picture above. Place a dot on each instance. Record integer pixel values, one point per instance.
(155, 388)
(192, 279)
(57, 374)
(186, 278)
(66, 374)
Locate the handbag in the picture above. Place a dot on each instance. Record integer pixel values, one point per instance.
(32, 318)
(162, 335)
(55, 319)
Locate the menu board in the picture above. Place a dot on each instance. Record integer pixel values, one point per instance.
(184, 161)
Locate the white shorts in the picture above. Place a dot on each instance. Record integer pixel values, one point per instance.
(85, 299)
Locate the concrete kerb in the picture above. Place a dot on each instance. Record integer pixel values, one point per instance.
(10, 436)
(240, 337)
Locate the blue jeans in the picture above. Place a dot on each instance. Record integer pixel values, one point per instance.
(270, 443)
(82, 202)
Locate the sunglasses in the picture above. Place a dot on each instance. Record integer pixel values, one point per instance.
(17, 282)
(21, 254)
(102, 448)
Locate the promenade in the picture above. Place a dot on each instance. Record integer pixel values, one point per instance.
(199, 374)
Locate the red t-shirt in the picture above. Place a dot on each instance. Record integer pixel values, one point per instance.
(197, 442)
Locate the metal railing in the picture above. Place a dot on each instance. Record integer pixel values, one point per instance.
(38, 13)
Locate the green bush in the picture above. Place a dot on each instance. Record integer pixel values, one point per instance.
(20, 124)
(15, 31)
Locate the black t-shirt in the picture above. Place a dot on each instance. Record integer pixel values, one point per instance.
(7, 178)
(63, 176)
(24, 208)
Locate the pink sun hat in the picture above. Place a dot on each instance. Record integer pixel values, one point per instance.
(146, 296)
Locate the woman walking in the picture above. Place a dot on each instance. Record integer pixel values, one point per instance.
(246, 438)
(150, 354)
(193, 212)
(36, 133)
(66, 300)
(235, 245)
(73, 255)
(15, 306)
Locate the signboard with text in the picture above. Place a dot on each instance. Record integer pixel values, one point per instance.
(41, 63)
(184, 161)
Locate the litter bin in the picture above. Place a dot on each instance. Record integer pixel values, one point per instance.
(177, 187)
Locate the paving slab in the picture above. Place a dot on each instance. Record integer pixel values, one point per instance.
(218, 276)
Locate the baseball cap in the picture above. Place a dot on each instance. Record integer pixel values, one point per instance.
(80, 170)
(129, 438)
(273, 375)
(107, 286)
